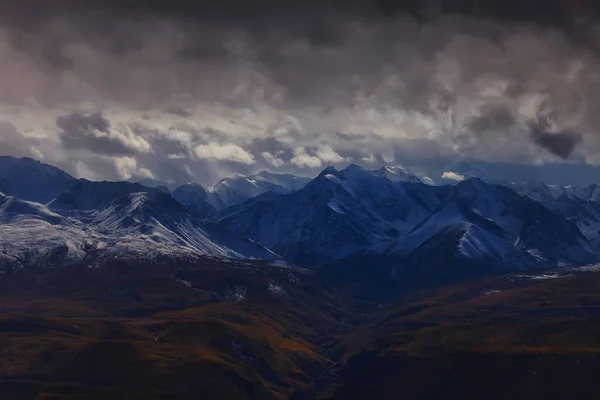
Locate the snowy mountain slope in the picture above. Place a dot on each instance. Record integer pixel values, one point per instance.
(396, 173)
(323, 219)
(545, 193)
(478, 229)
(579, 205)
(494, 217)
(589, 193)
(537, 191)
(289, 182)
(12, 208)
(31, 234)
(121, 209)
(195, 197)
(585, 214)
(334, 215)
(456, 251)
(403, 204)
(387, 216)
(96, 220)
(466, 249)
(353, 211)
(235, 190)
(31, 180)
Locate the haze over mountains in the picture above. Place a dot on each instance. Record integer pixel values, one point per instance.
(343, 219)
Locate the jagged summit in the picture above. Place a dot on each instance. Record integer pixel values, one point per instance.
(32, 180)
(397, 173)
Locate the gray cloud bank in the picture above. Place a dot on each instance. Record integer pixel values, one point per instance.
(187, 91)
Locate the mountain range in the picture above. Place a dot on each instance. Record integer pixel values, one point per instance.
(231, 191)
(295, 289)
(356, 223)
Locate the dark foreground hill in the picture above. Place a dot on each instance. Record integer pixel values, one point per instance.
(256, 330)
(517, 337)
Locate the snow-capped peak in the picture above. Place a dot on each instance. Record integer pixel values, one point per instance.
(398, 173)
(288, 181)
(239, 188)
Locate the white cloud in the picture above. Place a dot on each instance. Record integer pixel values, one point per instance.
(145, 173)
(427, 180)
(370, 158)
(273, 160)
(227, 151)
(96, 133)
(127, 169)
(127, 138)
(328, 155)
(388, 158)
(303, 159)
(162, 108)
(453, 176)
(82, 170)
(37, 153)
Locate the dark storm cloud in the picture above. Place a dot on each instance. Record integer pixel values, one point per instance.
(552, 11)
(560, 143)
(94, 132)
(180, 89)
(495, 118)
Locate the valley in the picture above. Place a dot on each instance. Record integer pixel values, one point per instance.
(254, 331)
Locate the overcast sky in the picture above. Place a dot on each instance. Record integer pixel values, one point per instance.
(196, 90)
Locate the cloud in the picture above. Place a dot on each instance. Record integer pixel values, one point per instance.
(273, 160)
(303, 159)
(328, 155)
(369, 159)
(453, 176)
(560, 143)
(127, 169)
(125, 166)
(12, 142)
(179, 86)
(95, 133)
(227, 152)
(427, 180)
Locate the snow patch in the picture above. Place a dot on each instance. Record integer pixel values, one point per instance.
(276, 289)
(541, 277)
(492, 291)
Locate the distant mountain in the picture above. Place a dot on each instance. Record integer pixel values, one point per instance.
(33, 235)
(195, 197)
(159, 183)
(31, 180)
(361, 214)
(336, 214)
(579, 205)
(398, 173)
(383, 223)
(289, 182)
(95, 220)
(235, 190)
(499, 226)
(478, 229)
(238, 189)
(545, 193)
